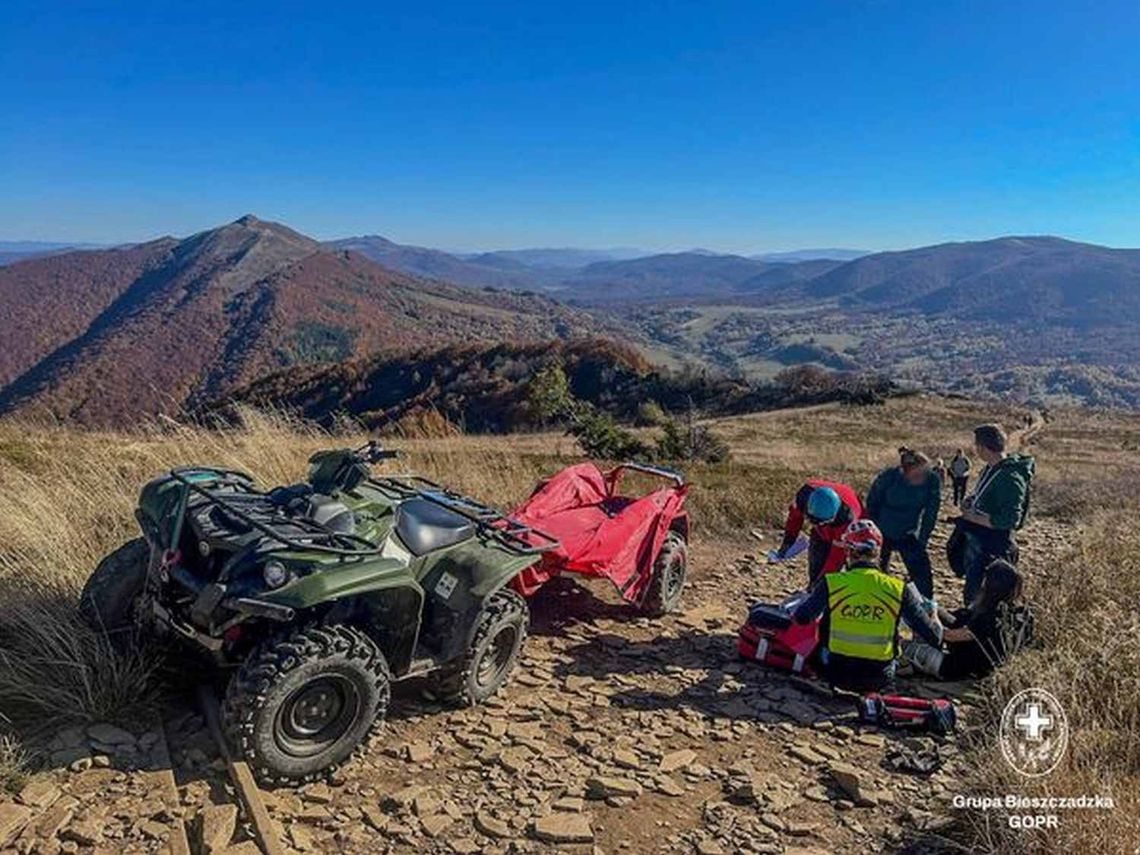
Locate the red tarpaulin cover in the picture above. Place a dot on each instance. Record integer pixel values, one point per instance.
(601, 532)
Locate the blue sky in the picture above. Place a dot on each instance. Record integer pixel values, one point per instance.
(733, 126)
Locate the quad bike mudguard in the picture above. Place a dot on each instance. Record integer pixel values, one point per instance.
(457, 582)
(600, 532)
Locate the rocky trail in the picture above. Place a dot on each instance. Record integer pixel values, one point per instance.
(617, 734)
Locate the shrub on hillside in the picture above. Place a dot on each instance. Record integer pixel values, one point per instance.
(600, 436)
(423, 423)
(690, 441)
(551, 400)
(650, 414)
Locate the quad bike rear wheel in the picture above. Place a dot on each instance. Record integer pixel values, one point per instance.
(107, 603)
(493, 653)
(669, 571)
(301, 703)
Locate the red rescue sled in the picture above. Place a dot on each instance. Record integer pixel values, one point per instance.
(602, 532)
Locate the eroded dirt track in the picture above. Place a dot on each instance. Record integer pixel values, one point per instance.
(618, 734)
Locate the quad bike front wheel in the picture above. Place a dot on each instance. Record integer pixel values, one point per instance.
(107, 603)
(301, 703)
(493, 653)
(669, 571)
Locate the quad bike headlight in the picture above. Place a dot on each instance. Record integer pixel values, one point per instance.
(275, 574)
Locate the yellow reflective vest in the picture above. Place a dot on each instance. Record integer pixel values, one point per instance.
(863, 613)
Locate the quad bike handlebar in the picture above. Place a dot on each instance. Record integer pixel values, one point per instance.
(373, 452)
(344, 468)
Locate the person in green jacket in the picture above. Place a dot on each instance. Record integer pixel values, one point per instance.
(997, 507)
(904, 502)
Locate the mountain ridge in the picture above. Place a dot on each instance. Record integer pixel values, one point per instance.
(102, 336)
(1038, 276)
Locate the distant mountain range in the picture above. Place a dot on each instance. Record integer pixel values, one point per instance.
(102, 336)
(602, 276)
(813, 255)
(675, 276)
(1037, 319)
(578, 275)
(554, 259)
(20, 250)
(1046, 279)
(437, 264)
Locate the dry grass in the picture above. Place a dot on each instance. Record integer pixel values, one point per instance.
(66, 499)
(1087, 625)
(1088, 658)
(14, 763)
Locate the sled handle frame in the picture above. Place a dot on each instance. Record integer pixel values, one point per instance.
(678, 478)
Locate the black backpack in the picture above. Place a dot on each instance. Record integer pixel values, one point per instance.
(957, 543)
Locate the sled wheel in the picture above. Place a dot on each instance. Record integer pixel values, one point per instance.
(494, 651)
(665, 588)
(301, 703)
(107, 603)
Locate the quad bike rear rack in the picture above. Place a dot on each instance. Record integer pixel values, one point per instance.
(350, 545)
(515, 536)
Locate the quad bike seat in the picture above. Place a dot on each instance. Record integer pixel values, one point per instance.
(423, 526)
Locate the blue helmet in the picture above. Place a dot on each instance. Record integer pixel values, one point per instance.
(823, 505)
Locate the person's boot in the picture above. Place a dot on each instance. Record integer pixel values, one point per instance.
(923, 657)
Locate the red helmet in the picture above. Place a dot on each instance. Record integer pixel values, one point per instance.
(862, 536)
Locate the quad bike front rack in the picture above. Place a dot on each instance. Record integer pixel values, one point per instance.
(518, 537)
(350, 545)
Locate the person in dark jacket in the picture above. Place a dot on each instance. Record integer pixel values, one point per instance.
(996, 508)
(981, 636)
(861, 608)
(904, 502)
(960, 476)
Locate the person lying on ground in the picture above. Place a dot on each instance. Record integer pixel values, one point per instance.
(829, 507)
(979, 637)
(904, 501)
(996, 508)
(861, 608)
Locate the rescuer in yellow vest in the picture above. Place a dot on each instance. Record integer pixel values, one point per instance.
(861, 608)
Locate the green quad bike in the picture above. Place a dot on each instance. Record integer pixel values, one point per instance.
(320, 594)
